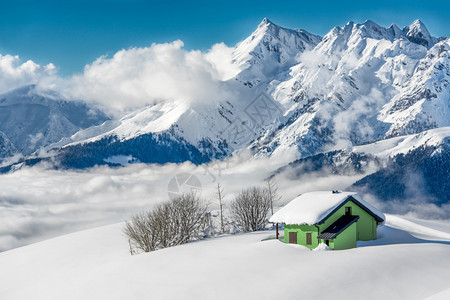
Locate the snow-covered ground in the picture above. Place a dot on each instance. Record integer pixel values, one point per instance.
(410, 260)
(403, 144)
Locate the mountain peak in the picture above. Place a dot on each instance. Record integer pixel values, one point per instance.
(418, 27)
(269, 49)
(417, 23)
(265, 21)
(370, 23)
(418, 33)
(373, 29)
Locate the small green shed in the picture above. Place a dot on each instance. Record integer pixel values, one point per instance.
(335, 218)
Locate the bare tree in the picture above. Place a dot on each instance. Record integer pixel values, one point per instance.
(272, 189)
(190, 217)
(171, 223)
(250, 208)
(220, 197)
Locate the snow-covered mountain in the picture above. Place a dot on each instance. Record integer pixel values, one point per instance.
(32, 119)
(296, 95)
(358, 84)
(423, 101)
(362, 83)
(418, 33)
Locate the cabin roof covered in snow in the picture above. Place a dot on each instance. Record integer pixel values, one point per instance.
(315, 207)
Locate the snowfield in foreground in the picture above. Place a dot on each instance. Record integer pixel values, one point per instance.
(410, 260)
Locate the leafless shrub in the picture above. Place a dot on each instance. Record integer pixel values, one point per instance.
(141, 232)
(250, 208)
(172, 223)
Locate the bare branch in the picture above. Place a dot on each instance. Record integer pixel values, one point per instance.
(221, 204)
(272, 189)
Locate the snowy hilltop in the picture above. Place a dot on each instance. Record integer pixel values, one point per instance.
(94, 264)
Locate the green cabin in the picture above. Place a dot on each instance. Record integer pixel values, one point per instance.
(337, 219)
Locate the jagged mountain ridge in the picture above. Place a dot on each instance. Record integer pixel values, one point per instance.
(339, 94)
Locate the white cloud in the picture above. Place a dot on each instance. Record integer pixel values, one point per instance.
(14, 74)
(353, 120)
(57, 202)
(136, 77)
(221, 56)
(412, 207)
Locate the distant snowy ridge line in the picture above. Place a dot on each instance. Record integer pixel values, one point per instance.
(116, 150)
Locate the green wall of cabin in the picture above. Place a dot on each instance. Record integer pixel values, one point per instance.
(364, 229)
(366, 226)
(301, 231)
(345, 240)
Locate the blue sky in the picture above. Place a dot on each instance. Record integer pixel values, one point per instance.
(72, 33)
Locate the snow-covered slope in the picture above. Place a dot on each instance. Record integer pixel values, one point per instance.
(7, 149)
(157, 118)
(401, 172)
(406, 143)
(409, 260)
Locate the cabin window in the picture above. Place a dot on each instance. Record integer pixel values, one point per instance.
(308, 239)
(348, 211)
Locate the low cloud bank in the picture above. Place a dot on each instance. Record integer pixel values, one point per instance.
(37, 203)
